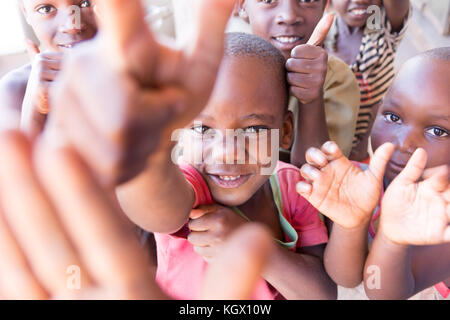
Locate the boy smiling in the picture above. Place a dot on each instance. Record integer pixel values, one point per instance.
(24, 91)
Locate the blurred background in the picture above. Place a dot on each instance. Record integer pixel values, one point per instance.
(429, 28)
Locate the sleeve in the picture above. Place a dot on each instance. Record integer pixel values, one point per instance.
(302, 216)
(394, 38)
(342, 99)
(198, 184)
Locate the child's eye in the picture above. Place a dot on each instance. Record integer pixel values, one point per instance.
(268, 1)
(85, 4)
(392, 117)
(309, 1)
(255, 129)
(202, 130)
(437, 132)
(46, 9)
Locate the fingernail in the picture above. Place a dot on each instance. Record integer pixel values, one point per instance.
(303, 187)
(330, 146)
(317, 156)
(311, 172)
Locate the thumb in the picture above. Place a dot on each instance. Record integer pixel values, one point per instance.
(380, 159)
(321, 31)
(202, 211)
(414, 169)
(32, 48)
(234, 274)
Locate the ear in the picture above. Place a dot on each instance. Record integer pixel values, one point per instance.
(287, 132)
(241, 10)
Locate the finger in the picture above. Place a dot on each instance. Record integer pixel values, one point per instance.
(235, 272)
(17, 282)
(32, 49)
(207, 252)
(303, 95)
(438, 180)
(200, 239)
(33, 222)
(201, 211)
(48, 75)
(126, 35)
(304, 189)
(414, 168)
(316, 158)
(380, 160)
(309, 52)
(103, 236)
(321, 31)
(205, 48)
(303, 66)
(310, 173)
(332, 151)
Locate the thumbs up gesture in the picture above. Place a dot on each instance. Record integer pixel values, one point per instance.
(45, 67)
(121, 95)
(307, 67)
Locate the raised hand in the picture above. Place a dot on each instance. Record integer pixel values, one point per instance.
(210, 228)
(122, 95)
(341, 190)
(56, 223)
(415, 211)
(307, 67)
(44, 69)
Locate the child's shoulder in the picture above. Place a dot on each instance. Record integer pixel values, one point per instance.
(338, 70)
(14, 84)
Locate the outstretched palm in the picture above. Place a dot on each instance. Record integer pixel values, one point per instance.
(417, 212)
(142, 89)
(340, 189)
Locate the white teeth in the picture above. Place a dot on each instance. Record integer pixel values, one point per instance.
(359, 12)
(287, 39)
(229, 178)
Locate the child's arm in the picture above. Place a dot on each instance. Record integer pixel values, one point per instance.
(159, 199)
(35, 107)
(298, 275)
(396, 11)
(307, 70)
(348, 196)
(411, 251)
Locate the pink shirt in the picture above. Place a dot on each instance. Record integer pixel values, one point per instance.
(181, 271)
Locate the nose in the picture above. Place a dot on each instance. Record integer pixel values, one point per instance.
(229, 148)
(364, 2)
(288, 13)
(71, 21)
(407, 140)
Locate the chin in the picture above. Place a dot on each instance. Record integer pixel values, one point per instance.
(234, 199)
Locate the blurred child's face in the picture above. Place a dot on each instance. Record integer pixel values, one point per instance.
(416, 113)
(354, 12)
(56, 22)
(247, 100)
(284, 23)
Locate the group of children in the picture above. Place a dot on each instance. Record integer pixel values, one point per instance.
(306, 76)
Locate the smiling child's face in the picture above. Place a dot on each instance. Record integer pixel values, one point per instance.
(284, 23)
(416, 114)
(247, 97)
(55, 24)
(354, 12)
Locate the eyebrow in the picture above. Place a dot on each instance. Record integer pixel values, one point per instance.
(261, 117)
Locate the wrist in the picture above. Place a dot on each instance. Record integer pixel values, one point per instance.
(389, 241)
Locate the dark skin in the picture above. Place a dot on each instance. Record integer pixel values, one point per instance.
(25, 90)
(293, 27)
(402, 253)
(242, 83)
(428, 127)
(351, 24)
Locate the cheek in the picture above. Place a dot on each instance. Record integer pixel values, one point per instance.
(381, 133)
(438, 154)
